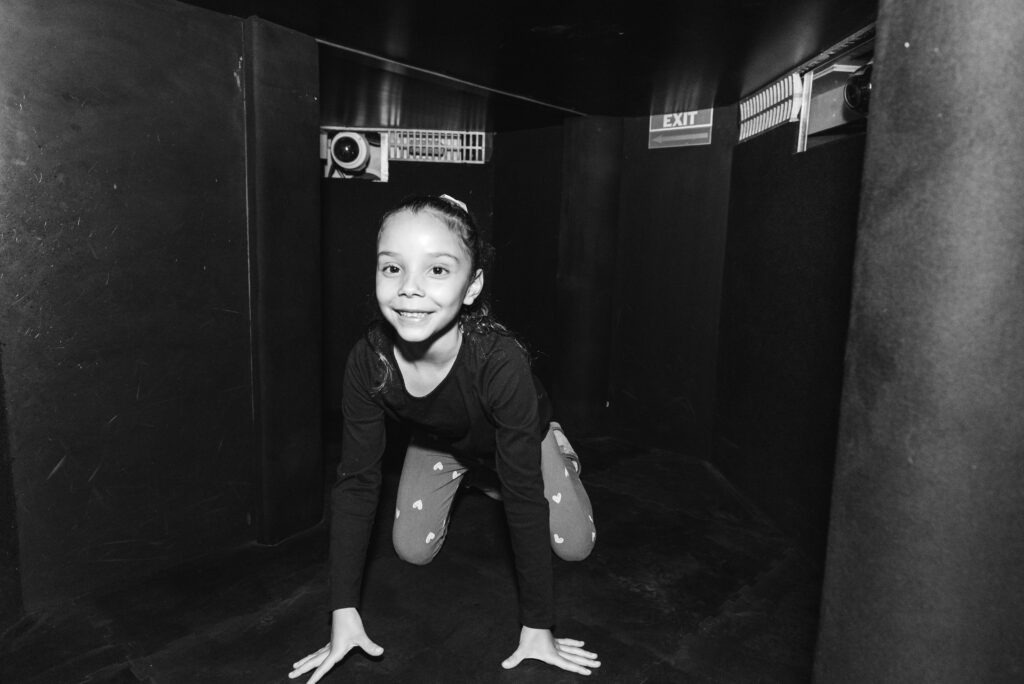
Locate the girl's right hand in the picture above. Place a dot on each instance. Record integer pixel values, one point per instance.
(346, 632)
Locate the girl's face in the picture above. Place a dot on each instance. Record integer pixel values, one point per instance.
(424, 277)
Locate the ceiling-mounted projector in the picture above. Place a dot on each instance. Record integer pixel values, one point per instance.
(353, 153)
(350, 151)
(858, 90)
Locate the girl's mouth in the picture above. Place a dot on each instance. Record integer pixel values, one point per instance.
(414, 315)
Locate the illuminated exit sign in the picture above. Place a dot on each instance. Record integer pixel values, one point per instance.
(680, 129)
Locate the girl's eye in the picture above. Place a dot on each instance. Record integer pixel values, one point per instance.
(389, 269)
(438, 270)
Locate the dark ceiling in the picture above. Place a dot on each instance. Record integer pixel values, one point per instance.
(612, 57)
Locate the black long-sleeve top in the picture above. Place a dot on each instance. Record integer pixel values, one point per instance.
(489, 408)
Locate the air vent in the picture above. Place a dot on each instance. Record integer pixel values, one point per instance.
(773, 106)
(450, 147)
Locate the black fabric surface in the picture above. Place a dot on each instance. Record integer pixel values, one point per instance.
(927, 532)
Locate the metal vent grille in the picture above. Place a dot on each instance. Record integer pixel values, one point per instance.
(771, 107)
(451, 147)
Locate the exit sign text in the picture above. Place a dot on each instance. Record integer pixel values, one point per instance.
(680, 129)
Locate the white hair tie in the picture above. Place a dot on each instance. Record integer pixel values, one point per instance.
(461, 205)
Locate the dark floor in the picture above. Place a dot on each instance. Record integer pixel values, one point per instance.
(686, 584)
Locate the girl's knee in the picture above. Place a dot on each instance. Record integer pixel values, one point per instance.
(571, 549)
(411, 548)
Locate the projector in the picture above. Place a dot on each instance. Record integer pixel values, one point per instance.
(353, 153)
(857, 93)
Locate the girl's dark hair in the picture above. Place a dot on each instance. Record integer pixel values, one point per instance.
(474, 319)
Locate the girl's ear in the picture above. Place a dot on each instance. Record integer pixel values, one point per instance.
(475, 287)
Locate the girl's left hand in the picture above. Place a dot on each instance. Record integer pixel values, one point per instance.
(540, 644)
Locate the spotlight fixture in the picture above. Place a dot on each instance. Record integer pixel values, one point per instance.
(857, 93)
(350, 151)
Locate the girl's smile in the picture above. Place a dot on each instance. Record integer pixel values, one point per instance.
(424, 278)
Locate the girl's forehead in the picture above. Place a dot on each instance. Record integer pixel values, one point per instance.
(409, 230)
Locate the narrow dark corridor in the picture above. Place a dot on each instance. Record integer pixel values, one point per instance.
(687, 583)
(768, 259)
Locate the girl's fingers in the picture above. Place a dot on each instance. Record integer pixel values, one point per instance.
(320, 652)
(567, 656)
(577, 651)
(568, 665)
(309, 661)
(582, 660)
(299, 671)
(571, 651)
(322, 670)
(371, 648)
(568, 642)
(512, 660)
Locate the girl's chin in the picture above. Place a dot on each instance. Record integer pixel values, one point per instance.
(413, 336)
(417, 333)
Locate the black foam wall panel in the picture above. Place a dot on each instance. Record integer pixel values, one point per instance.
(673, 213)
(527, 208)
(282, 119)
(785, 308)
(125, 327)
(10, 576)
(588, 243)
(923, 578)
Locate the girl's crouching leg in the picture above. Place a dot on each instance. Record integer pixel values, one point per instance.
(415, 543)
(429, 481)
(573, 533)
(573, 547)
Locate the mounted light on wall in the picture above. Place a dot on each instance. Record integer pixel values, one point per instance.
(349, 153)
(837, 89)
(857, 93)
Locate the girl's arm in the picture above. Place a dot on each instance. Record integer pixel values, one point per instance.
(353, 508)
(513, 405)
(357, 487)
(513, 409)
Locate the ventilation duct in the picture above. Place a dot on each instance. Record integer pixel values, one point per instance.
(773, 106)
(451, 147)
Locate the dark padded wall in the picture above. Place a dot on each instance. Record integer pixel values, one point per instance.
(125, 330)
(282, 117)
(10, 577)
(586, 258)
(923, 579)
(785, 308)
(527, 205)
(672, 225)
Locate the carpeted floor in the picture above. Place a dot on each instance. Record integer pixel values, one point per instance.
(687, 583)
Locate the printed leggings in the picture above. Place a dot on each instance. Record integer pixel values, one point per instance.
(430, 479)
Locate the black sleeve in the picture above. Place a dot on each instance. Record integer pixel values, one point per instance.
(357, 488)
(511, 399)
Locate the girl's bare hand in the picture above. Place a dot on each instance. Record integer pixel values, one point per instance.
(346, 633)
(540, 644)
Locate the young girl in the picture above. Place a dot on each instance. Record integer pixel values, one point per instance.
(442, 365)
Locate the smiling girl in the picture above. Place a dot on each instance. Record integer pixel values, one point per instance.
(442, 365)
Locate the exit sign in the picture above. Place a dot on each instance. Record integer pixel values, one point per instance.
(680, 129)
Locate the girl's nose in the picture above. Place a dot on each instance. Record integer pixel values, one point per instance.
(410, 286)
